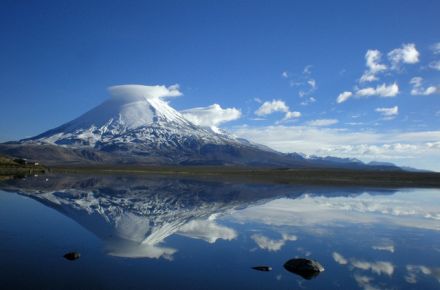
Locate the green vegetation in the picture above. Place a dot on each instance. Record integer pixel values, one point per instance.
(18, 166)
(309, 176)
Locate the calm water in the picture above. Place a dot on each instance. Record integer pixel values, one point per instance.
(165, 233)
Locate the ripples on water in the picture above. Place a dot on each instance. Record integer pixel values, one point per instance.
(167, 233)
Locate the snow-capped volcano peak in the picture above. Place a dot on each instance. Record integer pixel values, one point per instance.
(135, 116)
(129, 107)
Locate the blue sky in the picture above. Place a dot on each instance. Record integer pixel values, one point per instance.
(280, 64)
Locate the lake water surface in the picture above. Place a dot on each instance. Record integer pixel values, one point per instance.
(154, 232)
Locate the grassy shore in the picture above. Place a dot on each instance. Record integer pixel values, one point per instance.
(309, 176)
(9, 167)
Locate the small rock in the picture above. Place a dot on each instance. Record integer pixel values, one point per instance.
(305, 268)
(262, 268)
(71, 256)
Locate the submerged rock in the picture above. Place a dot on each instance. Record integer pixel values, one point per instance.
(305, 268)
(262, 268)
(71, 256)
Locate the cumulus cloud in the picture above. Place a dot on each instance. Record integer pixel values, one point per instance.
(322, 122)
(273, 106)
(413, 271)
(388, 112)
(285, 74)
(406, 54)
(266, 243)
(383, 90)
(211, 116)
(148, 92)
(291, 115)
(364, 282)
(207, 230)
(379, 268)
(343, 97)
(339, 258)
(372, 61)
(419, 90)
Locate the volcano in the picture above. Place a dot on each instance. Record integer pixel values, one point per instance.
(136, 125)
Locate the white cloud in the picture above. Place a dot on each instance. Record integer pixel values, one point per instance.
(207, 230)
(419, 90)
(307, 84)
(308, 101)
(407, 54)
(322, 122)
(364, 282)
(343, 97)
(285, 74)
(413, 271)
(211, 116)
(307, 69)
(435, 65)
(365, 92)
(148, 92)
(383, 90)
(291, 115)
(388, 248)
(415, 209)
(387, 91)
(388, 112)
(136, 250)
(412, 148)
(379, 267)
(271, 107)
(266, 243)
(436, 48)
(339, 258)
(372, 59)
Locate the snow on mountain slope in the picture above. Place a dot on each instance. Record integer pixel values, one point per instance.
(134, 114)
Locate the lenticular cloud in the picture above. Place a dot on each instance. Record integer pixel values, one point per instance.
(141, 91)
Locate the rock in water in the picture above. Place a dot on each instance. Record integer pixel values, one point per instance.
(71, 256)
(305, 268)
(262, 268)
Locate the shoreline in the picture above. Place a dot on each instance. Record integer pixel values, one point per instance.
(300, 176)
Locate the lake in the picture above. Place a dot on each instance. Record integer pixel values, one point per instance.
(155, 232)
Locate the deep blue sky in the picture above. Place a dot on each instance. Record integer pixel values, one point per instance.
(58, 57)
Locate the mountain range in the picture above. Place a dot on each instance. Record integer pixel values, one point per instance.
(137, 127)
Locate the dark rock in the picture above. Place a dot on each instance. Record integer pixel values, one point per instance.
(262, 268)
(305, 268)
(71, 256)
